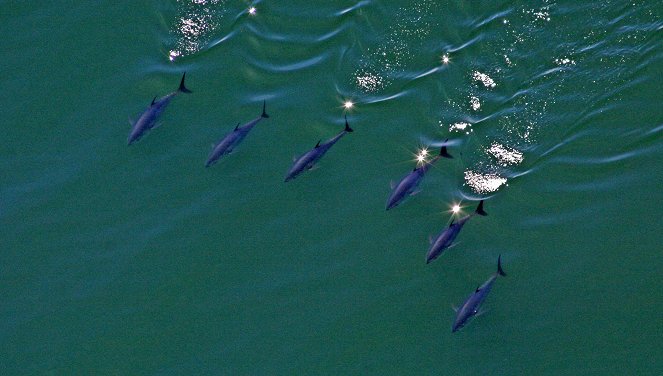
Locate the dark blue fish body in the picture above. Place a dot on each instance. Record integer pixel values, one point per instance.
(409, 183)
(446, 238)
(311, 157)
(234, 138)
(148, 119)
(471, 305)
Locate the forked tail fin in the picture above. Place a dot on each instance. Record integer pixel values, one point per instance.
(347, 126)
(443, 151)
(264, 114)
(183, 88)
(480, 210)
(499, 266)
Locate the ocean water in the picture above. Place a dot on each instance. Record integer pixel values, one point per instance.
(138, 260)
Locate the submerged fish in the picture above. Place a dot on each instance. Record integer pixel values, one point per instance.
(408, 185)
(308, 159)
(148, 119)
(449, 234)
(234, 138)
(471, 305)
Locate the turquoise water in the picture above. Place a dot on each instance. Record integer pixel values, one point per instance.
(139, 260)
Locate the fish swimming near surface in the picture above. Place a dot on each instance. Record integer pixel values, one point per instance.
(309, 159)
(148, 119)
(234, 138)
(446, 238)
(408, 185)
(470, 307)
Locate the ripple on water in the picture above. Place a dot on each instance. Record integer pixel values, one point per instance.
(381, 65)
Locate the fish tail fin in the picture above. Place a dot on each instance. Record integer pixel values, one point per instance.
(264, 114)
(443, 151)
(183, 88)
(480, 210)
(347, 126)
(500, 271)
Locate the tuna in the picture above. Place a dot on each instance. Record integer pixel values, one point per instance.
(148, 119)
(408, 185)
(446, 238)
(311, 157)
(234, 138)
(470, 307)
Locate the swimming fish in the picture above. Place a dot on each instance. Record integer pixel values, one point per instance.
(471, 305)
(148, 119)
(308, 159)
(449, 234)
(407, 186)
(234, 138)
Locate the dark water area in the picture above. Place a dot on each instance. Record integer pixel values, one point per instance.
(137, 259)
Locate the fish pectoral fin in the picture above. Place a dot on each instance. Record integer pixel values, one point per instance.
(455, 308)
(392, 184)
(131, 121)
(480, 312)
(430, 239)
(312, 167)
(415, 192)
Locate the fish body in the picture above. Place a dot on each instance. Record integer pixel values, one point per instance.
(234, 138)
(307, 160)
(408, 184)
(148, 119)
(471, 306)
(446, 238)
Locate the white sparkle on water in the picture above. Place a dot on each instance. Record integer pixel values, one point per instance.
(348, 104)
(421, 155)
(252, 11)
(460, 127)
(445, 59)
(483, 183)
(565, 61)
(484, 78)
(456, 208)
(475, 103)
(370, 82)
(505, 156)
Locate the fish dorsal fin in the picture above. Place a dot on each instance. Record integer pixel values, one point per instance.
(318, 144)
(443, 150)
(264, 114)
(452, 223)
(183, 88)
(478, 288)
(236, 126)
(153, 100)
(347, 126)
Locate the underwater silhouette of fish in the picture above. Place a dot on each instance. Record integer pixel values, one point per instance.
(307, 160)
(446, 238)
(234, 138)
(470, 307)
(409, 183)
(148, 119)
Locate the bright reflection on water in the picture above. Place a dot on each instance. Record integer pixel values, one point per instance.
(380, 64)
(504, 155)
(483, 182)
(195, 25)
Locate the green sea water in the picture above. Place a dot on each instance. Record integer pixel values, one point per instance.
(138, 260)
